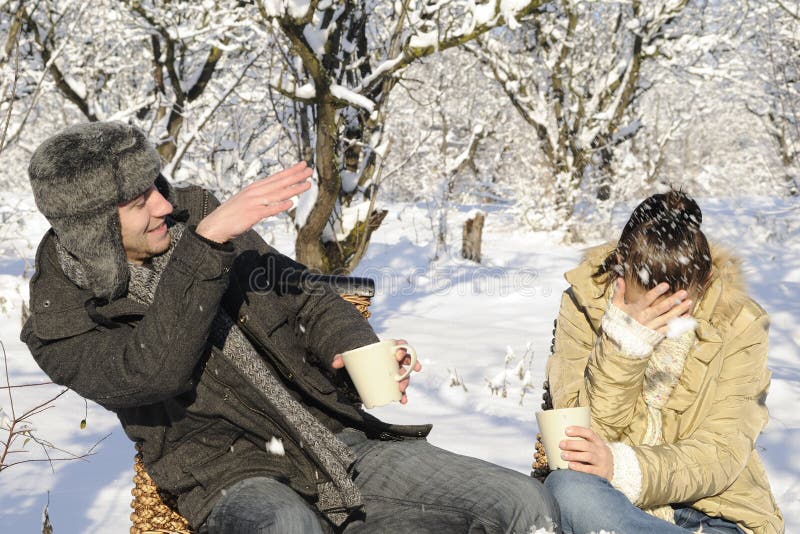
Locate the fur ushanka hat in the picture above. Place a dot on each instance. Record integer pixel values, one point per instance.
(79, 176)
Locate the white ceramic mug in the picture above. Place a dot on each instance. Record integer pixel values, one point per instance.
(374, 371)
(552, 426)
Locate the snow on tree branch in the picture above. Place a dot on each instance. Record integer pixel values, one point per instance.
(572, 70)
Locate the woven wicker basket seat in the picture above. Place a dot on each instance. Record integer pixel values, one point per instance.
(540, 468)
(155, 511)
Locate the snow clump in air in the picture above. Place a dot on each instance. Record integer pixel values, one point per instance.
(275, 446)
(679, 326)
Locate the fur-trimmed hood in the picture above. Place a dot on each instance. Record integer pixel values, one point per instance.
(721, 303)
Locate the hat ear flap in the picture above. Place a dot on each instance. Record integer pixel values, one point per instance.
(96, 240)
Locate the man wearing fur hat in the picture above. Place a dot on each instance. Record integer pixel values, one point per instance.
(141, 301)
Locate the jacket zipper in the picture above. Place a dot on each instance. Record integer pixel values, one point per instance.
(205, 204)
(283, 429)
(254, 410)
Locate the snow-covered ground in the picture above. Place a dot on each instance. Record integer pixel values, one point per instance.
(466, 320)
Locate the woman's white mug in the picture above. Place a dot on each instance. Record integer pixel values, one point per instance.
(552, 426)
(374, 371)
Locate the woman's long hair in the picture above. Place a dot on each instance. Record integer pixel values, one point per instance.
(661, 242)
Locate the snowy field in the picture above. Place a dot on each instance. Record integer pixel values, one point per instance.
(469, 321)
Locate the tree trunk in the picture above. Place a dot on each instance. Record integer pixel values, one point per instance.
(309, 249)
(473, 237)
(169, 147)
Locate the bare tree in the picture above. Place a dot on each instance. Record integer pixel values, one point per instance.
(18, 426)
(182, 65)
(779, 108)
(148, 62)
(451, 168)
(573, 72)
(24, 68)
(340, 61)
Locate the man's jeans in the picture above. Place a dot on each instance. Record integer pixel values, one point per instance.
(590, 503)
(408, 486)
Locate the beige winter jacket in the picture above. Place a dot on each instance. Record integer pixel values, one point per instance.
(713, 416)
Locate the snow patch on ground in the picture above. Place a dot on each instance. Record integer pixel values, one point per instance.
(464, 319)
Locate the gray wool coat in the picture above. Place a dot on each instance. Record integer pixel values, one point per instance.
(202, 425)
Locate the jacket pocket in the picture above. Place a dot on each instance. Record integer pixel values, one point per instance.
(202, 446)
(293, 362)
(61, 324)
(316, 379)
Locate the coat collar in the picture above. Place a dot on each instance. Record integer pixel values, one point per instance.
(589, 294)
(59, 308)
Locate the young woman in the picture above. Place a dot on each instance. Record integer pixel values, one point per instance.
(657, 335)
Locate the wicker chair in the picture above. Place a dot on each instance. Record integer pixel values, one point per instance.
(540, 468)
(155, 511)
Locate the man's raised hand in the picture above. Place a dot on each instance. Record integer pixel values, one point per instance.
(259, 200)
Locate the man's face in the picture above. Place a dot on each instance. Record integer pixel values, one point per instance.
(144, 232)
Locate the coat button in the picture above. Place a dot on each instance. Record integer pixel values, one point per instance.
(46, 304)
(243, 318)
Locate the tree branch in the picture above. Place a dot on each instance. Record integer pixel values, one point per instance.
(49, 58)
(214, 55)
(203, 121)
(411, 54)
(794, 14)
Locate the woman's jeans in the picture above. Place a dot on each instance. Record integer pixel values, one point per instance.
(407, 486)
(590, 503)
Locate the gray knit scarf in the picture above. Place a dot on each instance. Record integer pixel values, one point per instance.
(336, 496)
